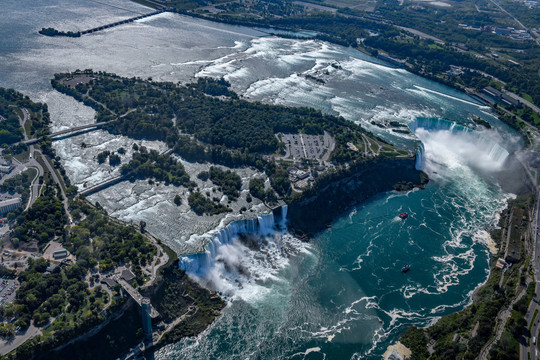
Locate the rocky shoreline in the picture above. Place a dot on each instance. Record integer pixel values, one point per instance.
(320, 206)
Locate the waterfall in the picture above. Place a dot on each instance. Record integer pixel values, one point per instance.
(262, 227)
(284, 210)
(240, 258)
(420, 159)
(445, 142)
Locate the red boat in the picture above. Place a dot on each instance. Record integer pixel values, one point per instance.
(403, 215)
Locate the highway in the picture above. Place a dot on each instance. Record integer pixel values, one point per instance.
(31, 163)
(530, 348)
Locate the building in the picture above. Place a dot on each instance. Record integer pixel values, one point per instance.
(491, 91)
(5, 165)
(500, 97)
(127, 275)
(503, 31)
(60, 254)
(508, 100)
(50, 268)
(501, 264)
(454, 71)
(109, 282)
(7, 206)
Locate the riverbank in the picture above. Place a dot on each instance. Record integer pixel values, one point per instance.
(185, 308)
(493, 321)
(326, 201)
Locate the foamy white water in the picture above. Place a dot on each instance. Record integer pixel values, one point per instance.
(342, 296)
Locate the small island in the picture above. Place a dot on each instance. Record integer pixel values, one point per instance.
(53, 32)
(306, 155)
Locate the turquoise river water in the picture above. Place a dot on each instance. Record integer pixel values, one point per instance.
(341, 296)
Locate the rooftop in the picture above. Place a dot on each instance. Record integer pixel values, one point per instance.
(127, 275)
(108, 281)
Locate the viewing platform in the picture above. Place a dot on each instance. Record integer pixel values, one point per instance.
(137, 296)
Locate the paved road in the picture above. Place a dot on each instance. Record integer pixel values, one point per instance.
(8, 345)
(34, 187)
(519, 98)
(60, 183)
(525, 350)
(159, 261)
(31, 163)
(421, 34)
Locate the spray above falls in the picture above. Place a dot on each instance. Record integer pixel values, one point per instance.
(446, 145)
(244, 254)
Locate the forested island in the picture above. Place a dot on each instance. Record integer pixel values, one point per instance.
(207, 122)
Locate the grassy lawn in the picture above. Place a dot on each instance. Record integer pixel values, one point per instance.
(22, 157)
(373, 146)
(535, 116)
(534, 318)
(527, 97)
(33, 172)
(27, 126)
(513, 344)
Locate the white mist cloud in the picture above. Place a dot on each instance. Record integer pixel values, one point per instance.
(451, 149)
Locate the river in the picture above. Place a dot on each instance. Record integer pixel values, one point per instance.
(342, 295)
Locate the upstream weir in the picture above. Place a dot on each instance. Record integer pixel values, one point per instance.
(108, 26)
(54, 32)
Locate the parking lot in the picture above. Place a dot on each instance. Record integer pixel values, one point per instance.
(301, 146)
(8, 287)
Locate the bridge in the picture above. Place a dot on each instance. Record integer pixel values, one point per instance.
(108, 26)
(103, 185)
(71, 132)
(112, 181)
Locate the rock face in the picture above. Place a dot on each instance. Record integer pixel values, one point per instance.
(312, 214)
